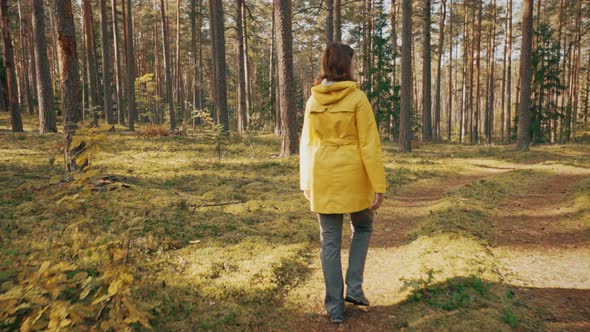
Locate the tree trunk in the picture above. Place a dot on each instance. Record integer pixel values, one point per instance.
(24, 60)
(274, 89)
(47, 116)
(3, 91)
(393, 75)
(83, 75)
(503, 98)
(576, 85)
(464, 93)
(450, 113)
(8, 55)
(470, 99)
(289, 132)
(489, 118)
(247, 66)
(168, 77)
(32, 62)
(179, 90)
(116, 53)
(426, 72)
(30, 41)
(405, 130)
(587, 102)
(436, 127)
(54, 43)
(509, 77)
(524, 119)
(476, 127)
(91, 64)
(132, 117)
(106, 63)
(218, 45)
(338, 20)
(241, 69)
(330, 22)
(200, 53)
(70, 80)
(415, 95)
(370, 53)
(195, 46)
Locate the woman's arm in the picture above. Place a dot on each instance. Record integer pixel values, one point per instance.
(370, 145)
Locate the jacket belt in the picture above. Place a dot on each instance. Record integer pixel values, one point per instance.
(337, 142)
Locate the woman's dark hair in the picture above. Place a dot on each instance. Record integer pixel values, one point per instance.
(336, 64)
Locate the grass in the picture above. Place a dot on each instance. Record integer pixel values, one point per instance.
(467, 209)
(464, 303)
(231, 245)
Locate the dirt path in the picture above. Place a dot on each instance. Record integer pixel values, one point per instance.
(391, 248)
(541, 249)
(538, 249)
(401, 213)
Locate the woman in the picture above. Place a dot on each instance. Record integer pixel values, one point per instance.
(341, 172)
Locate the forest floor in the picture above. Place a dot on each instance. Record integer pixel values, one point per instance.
(469, 237)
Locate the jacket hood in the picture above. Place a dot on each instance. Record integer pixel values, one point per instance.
(333, 93)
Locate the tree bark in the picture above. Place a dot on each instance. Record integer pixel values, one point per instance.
(55, 56)
(179, 87)
(117, 58)
(47, 116)
(132, 117)
(241, 69)
(587, 102)
(489, 117)
(274, 88)
(218, 45)
(338, 20)
(106, 63)
(32, 63)
(200, 53)
(476, 127)
(427, 78)
(168, 77)
(283, 17)
(195, 47)
(450, 113)
(504, 69)
(8, 55)
(441, 39)
(91, 64)
(464, 94)
(470, 107)
(330, 22)
(405, 130)
(509, 77)
(69, 78)
(576, 85)
(524, 116)
(25, 80)
(247, 66)
(394, 12)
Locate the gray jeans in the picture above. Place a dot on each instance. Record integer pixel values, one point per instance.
(331, 239)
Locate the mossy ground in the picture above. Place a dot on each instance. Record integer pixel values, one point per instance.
(231, 245)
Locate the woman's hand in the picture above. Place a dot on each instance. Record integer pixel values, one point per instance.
(306, 193)
(377, 201)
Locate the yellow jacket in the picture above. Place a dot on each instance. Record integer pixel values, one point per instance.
(340, 150)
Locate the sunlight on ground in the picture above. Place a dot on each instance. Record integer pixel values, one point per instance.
(232, 245)
(545, 267)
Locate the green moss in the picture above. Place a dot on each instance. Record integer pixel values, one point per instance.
(230, 245)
